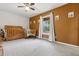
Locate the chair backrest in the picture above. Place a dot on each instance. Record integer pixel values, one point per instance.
(34, 31)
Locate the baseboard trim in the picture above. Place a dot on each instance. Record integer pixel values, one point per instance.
(67, 44)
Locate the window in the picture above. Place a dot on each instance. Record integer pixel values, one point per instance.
(46, 25)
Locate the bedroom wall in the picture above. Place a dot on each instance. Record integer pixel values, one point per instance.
(7, 18)
(35, 25)
(66, 29)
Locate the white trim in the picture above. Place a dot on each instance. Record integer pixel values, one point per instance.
(45, 33)
(46, 16)
(67, 44)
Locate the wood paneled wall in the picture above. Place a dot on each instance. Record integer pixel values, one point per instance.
(34, 21)
(66, 29)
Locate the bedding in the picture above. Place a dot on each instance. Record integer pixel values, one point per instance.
(25, 47)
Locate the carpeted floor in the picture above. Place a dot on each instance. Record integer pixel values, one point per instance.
(37, 47)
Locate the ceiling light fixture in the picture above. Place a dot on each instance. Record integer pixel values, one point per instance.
(27, 8)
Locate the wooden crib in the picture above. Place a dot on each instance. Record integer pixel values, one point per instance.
(14, 32)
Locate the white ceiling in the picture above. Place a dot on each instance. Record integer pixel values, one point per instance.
(40, 7)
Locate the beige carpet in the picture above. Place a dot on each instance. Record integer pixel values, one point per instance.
(37, 47)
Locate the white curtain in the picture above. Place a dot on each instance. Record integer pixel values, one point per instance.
(51, 32)
(40, 27)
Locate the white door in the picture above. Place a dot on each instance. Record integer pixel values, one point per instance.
(51, 28)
